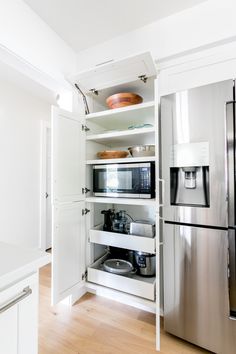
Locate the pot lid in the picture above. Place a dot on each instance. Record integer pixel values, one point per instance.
(117, 266)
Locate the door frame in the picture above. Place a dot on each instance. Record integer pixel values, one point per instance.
(45, 126)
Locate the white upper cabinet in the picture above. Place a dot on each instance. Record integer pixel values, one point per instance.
(115, 73)
(68, 157)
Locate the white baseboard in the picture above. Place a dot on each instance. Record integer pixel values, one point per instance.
(131, 300)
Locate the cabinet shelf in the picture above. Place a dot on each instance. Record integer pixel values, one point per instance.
(133, 284)
(125, 116)
(123, 160)
(124, 201)
(125, 137)
(130, 242)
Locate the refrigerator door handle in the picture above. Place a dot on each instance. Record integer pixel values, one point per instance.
(162, 199)
(230, 173)
(230, 161)
(232, 273)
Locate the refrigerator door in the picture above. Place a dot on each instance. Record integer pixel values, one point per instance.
(196, 303)
(232, 273)
(193, 135)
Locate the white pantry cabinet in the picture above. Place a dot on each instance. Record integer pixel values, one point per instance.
(19, 317)
(79, 243)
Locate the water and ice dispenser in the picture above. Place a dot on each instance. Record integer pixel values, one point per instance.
(189, 175)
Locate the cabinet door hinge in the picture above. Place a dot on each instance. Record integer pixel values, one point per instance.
(94, 91)
(143, 78)
(84, 275)
(85, 190)
(85, 211)
(85, 128)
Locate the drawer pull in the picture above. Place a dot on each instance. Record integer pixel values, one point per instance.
(25, 293)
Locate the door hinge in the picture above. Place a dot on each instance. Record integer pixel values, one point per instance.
(143, 78)
(85, 128)
(84, 275)
(94, 91)
(85, 211)
(85, 190)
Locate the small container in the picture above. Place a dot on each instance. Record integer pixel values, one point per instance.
(146, 263)
(142, 150)
(142, 228)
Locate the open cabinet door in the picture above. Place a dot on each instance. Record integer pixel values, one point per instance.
(68, 230)
(68, 157)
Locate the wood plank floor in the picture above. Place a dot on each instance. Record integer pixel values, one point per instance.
(95, 325)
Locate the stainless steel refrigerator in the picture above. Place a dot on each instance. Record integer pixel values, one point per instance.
(198, 131)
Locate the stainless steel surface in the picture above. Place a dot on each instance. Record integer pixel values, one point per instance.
(146, 263)
(122, 195)
(197, 116)
(25, 293)
(230, 148)
(232, 273)
(121, 165)
(199, 258)
(196, 305)
(190, 154)
(142, 150)
(146, 229)
(118, 266)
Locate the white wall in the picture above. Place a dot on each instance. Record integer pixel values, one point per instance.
(24, 34)
(20, 115)
(206, 24)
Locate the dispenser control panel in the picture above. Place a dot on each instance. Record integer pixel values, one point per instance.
(189, 154)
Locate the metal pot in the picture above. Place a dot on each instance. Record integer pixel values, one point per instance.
(118, 266)
(146, 263)
(142, 150)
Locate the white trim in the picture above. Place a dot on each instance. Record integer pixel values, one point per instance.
(124, 298)
(45, 125)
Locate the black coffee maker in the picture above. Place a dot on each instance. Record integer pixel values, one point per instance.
(108, 219)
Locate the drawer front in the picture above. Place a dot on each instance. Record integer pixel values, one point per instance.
(134, 285)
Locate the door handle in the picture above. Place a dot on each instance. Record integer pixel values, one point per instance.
(230, 160)
(163, 191)
(25, 293)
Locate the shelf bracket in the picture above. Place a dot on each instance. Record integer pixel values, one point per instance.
(94, 91)
(143, 78)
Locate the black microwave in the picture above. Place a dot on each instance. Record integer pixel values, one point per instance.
(127, 180)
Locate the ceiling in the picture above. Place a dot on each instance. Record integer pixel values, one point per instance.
(85, 23)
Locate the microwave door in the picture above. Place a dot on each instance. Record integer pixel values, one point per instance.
(122, 180)
(116, 181)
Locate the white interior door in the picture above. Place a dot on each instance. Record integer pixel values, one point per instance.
(68, 157)
(48, 191)
(68, 230)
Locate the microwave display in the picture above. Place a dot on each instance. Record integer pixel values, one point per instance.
(124, 180)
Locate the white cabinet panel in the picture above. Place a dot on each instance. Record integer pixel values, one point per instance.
(8, 331)
(68, 157)
(68, 249)
(19, 317)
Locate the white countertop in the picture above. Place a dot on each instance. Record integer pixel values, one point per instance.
(17, 261)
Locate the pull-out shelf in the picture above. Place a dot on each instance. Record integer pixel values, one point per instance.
(133, 284)
(130, 242)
